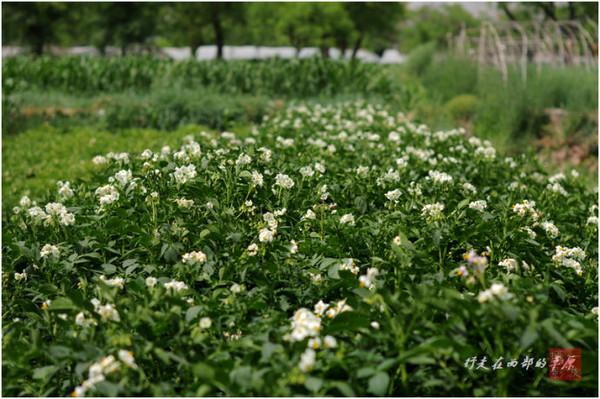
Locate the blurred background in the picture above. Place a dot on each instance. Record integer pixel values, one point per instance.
(80, 79)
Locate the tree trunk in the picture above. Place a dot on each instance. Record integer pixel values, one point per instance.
(572, 12)
(219, 36)
(357, 46)
(38, 47)
(509, 14)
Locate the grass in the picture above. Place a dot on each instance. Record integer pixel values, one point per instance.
(33, 161)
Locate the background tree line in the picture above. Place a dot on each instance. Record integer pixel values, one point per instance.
(346, 26)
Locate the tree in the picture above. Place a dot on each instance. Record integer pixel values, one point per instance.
(376, 21)
(33, 24)
(428, 24)
(186, 23)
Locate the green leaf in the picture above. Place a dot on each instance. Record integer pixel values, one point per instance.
(378, 384)
(344, 388)
(192, 313)
(529, 336)
(365, 372)
(44, 373)
(554, 334)
(203, 370)
(62, 303)
(108, 268)
(313, 384)
(348, 321)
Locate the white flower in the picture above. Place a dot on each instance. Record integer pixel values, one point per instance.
(235, 288)
(307, 360)
(440, 177)
(184, 174)
(123, 177)
(175, 286)
(569, 257)
(184, 203)
(375, 325)
(532, 234)
(592, 220)
(64, 190)
(362, 171)
(127, 358)
(496, 291)
(205, 323)
(347, 219)
(25, 202)
(320, 308)
(20, 276)
(432, 211)
(394, 195)
(304, 324)
(479, 205)
(257, 178)
(556, 178)
(146, 154)
(329, 342)
(488, 153)
(107, 194)
(265, 155)
(113, 282)
(99, 160)
(468, 187)
(397, 240)
(266, 235)
(526, 207)
(284, 181)
(307, 171)
(49, 250)
(151, 282)
(314, 343)
(243, 159)
(557, 188)
(106, 312)
(55, 211)
(83, 321)
(509, 263)
(350, 265)
(319, 167)
(368, 280)
(293, 247)
(252, 249)
(309, 215)
(550, 229)
(194, 258)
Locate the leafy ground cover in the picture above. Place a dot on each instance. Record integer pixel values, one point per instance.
(334, 250)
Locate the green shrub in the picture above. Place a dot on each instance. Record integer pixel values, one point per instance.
(462, 107)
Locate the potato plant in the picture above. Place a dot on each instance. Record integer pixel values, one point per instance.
(336, 250)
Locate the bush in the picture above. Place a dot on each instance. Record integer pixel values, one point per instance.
(462, 107)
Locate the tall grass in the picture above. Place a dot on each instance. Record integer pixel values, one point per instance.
(510, 111)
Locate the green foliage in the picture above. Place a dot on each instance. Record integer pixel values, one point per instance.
(462, 107)
(296, 78)
(407, 335)
(34, 160)
(434, 24)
